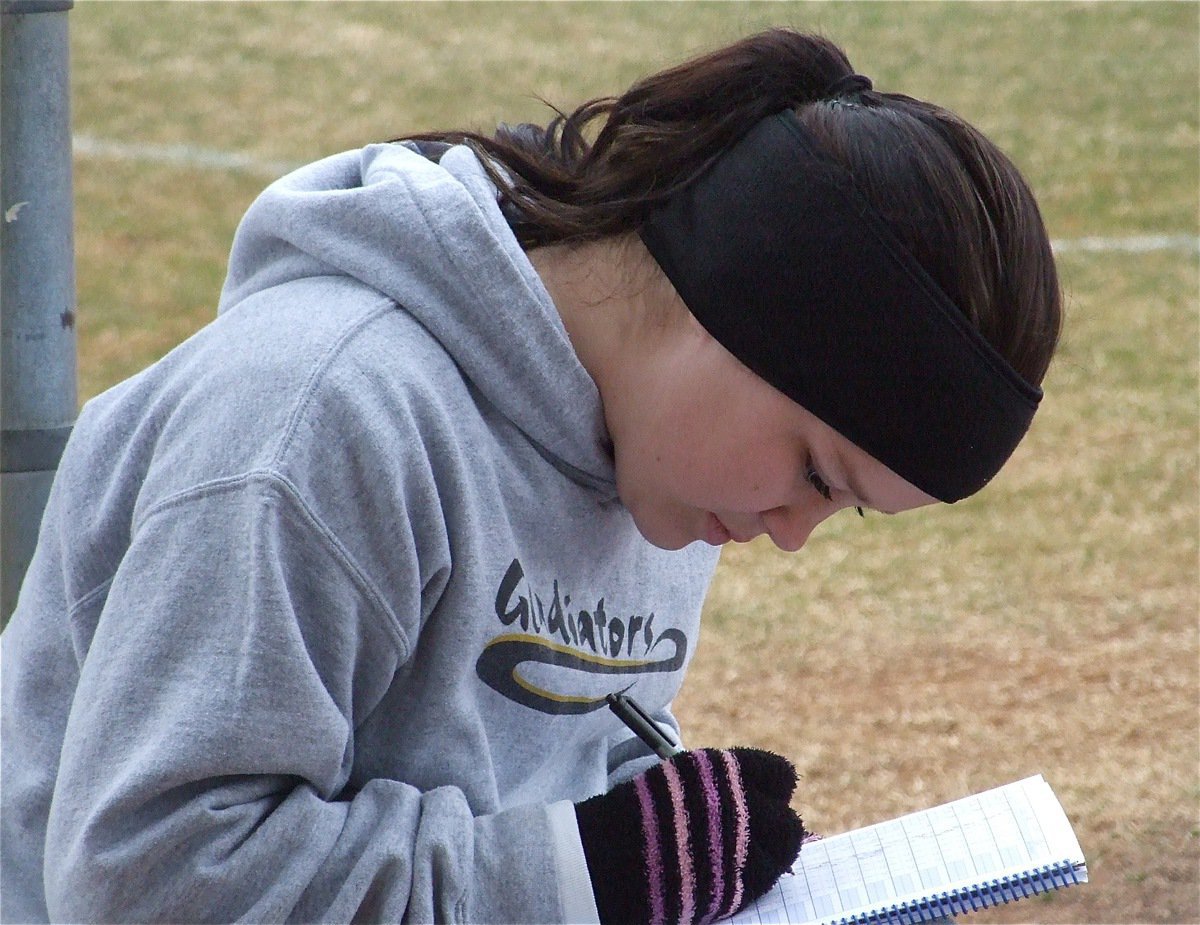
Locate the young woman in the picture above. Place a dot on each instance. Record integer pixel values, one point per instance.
(327, 603)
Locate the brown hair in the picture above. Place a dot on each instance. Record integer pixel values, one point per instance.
(953, 198)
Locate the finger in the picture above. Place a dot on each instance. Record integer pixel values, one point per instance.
(767, 772)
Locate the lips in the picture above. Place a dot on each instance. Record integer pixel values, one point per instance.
(715, 532)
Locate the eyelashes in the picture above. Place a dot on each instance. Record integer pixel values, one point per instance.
(815, 480)
(822, 487)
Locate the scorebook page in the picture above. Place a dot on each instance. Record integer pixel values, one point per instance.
(1002, 832)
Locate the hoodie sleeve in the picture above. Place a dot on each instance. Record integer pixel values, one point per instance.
(205, 766)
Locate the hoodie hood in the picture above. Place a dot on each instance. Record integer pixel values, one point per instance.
(431, 237)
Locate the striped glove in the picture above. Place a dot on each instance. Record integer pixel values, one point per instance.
(693, 839)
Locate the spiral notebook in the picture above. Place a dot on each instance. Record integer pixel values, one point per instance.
(990, 848)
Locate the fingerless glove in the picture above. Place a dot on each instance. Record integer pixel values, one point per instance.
(692, 839)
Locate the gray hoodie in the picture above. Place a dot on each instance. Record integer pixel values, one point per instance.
(326, 602)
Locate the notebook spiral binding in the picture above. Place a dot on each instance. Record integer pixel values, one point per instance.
(957, 902)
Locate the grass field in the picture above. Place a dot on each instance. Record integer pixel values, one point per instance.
(1048, 625)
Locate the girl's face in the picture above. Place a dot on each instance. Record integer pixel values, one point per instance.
(706, 450)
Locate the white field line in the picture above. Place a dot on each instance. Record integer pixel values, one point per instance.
(1132, 244)
(181, 155)
(208, 159)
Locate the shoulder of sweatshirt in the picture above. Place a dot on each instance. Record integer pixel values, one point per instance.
(295, 367)
(317, 381)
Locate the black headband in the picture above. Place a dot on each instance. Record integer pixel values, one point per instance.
(786, 264)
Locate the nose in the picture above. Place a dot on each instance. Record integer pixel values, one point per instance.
(790, 527)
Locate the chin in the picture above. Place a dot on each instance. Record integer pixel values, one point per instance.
(665, 536)
(661, 524)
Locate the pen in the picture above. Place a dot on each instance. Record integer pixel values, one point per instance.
(644, 727)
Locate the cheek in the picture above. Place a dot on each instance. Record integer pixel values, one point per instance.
(705, 448)
(740, 475)
(661, 512)
(751, 452)
(669, 470)
(762, 482)
(675, 447)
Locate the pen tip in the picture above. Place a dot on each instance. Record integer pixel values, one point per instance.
(611, 698)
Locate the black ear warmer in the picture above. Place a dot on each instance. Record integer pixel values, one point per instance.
(786, 264)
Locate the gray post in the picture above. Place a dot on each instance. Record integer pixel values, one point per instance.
(38, 397)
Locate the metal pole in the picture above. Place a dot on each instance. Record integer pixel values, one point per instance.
(38, 398)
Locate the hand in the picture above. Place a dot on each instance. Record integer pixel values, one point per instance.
(693, 839)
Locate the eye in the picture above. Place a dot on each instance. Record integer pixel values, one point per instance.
(814, 479)
(822, 487)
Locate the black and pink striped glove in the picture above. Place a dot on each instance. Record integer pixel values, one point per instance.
(693, 839)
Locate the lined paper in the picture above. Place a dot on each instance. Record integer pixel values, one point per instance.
(1017, 834)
